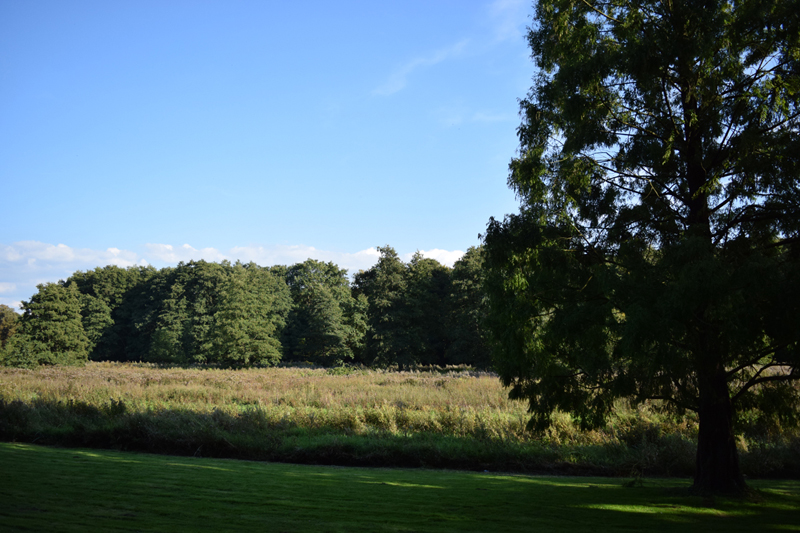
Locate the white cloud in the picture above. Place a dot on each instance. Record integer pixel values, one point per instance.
(38, 253)
(399, 78)
(263, 255)
(289, 255)
(445, 257)
(16, 304)
(25, 264)
(166, 253)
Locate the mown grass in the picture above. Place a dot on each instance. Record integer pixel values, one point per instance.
(370, 418)
(56, 489)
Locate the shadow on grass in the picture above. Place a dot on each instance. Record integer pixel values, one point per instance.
(113, 490)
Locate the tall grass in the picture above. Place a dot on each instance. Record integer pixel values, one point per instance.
(460, 419)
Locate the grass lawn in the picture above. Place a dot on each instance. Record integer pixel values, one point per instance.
(58, 489)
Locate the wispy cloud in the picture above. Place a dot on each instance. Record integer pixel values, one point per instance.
(508, 18)
(399, 78)
(7, 287)
(456, 115)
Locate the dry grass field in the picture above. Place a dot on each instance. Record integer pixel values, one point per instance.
(444, 418)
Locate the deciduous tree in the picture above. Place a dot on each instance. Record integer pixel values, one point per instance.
(325, 325)
(51, 331)
(656, 254)
(467, 308)
(425, 311)
(250, 317)
(9, 319)
(384, 285)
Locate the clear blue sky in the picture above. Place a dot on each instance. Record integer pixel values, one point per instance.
(136, 132)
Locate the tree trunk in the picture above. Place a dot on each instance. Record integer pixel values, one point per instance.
(717, 458)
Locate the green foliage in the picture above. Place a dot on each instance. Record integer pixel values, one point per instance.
(197, 312)
(50, 329)
(467, 309)
(407, 310)
(22, 351)
(188, 312)
(327, 324)
(167, 340)
(250, 318)
(244, 315)
(383, 285)
(9, 320)
(96, 319)
(425, 312)
(655, 254)
(127, 297)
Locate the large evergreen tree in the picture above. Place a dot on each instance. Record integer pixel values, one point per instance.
(656, 251)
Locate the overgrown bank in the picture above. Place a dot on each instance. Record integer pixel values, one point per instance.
(449, 419)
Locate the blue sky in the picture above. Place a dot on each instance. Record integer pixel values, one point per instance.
(152, 132)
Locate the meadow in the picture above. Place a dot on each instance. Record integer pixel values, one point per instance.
(439, 418)
(57, 489)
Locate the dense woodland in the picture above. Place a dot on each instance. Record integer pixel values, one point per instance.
(244, 315)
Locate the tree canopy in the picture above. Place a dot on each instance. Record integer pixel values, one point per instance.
(655, 255)
(241, 315)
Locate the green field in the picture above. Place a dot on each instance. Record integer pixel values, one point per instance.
(58, 489)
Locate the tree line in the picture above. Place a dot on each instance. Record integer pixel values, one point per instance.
(243, 315)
